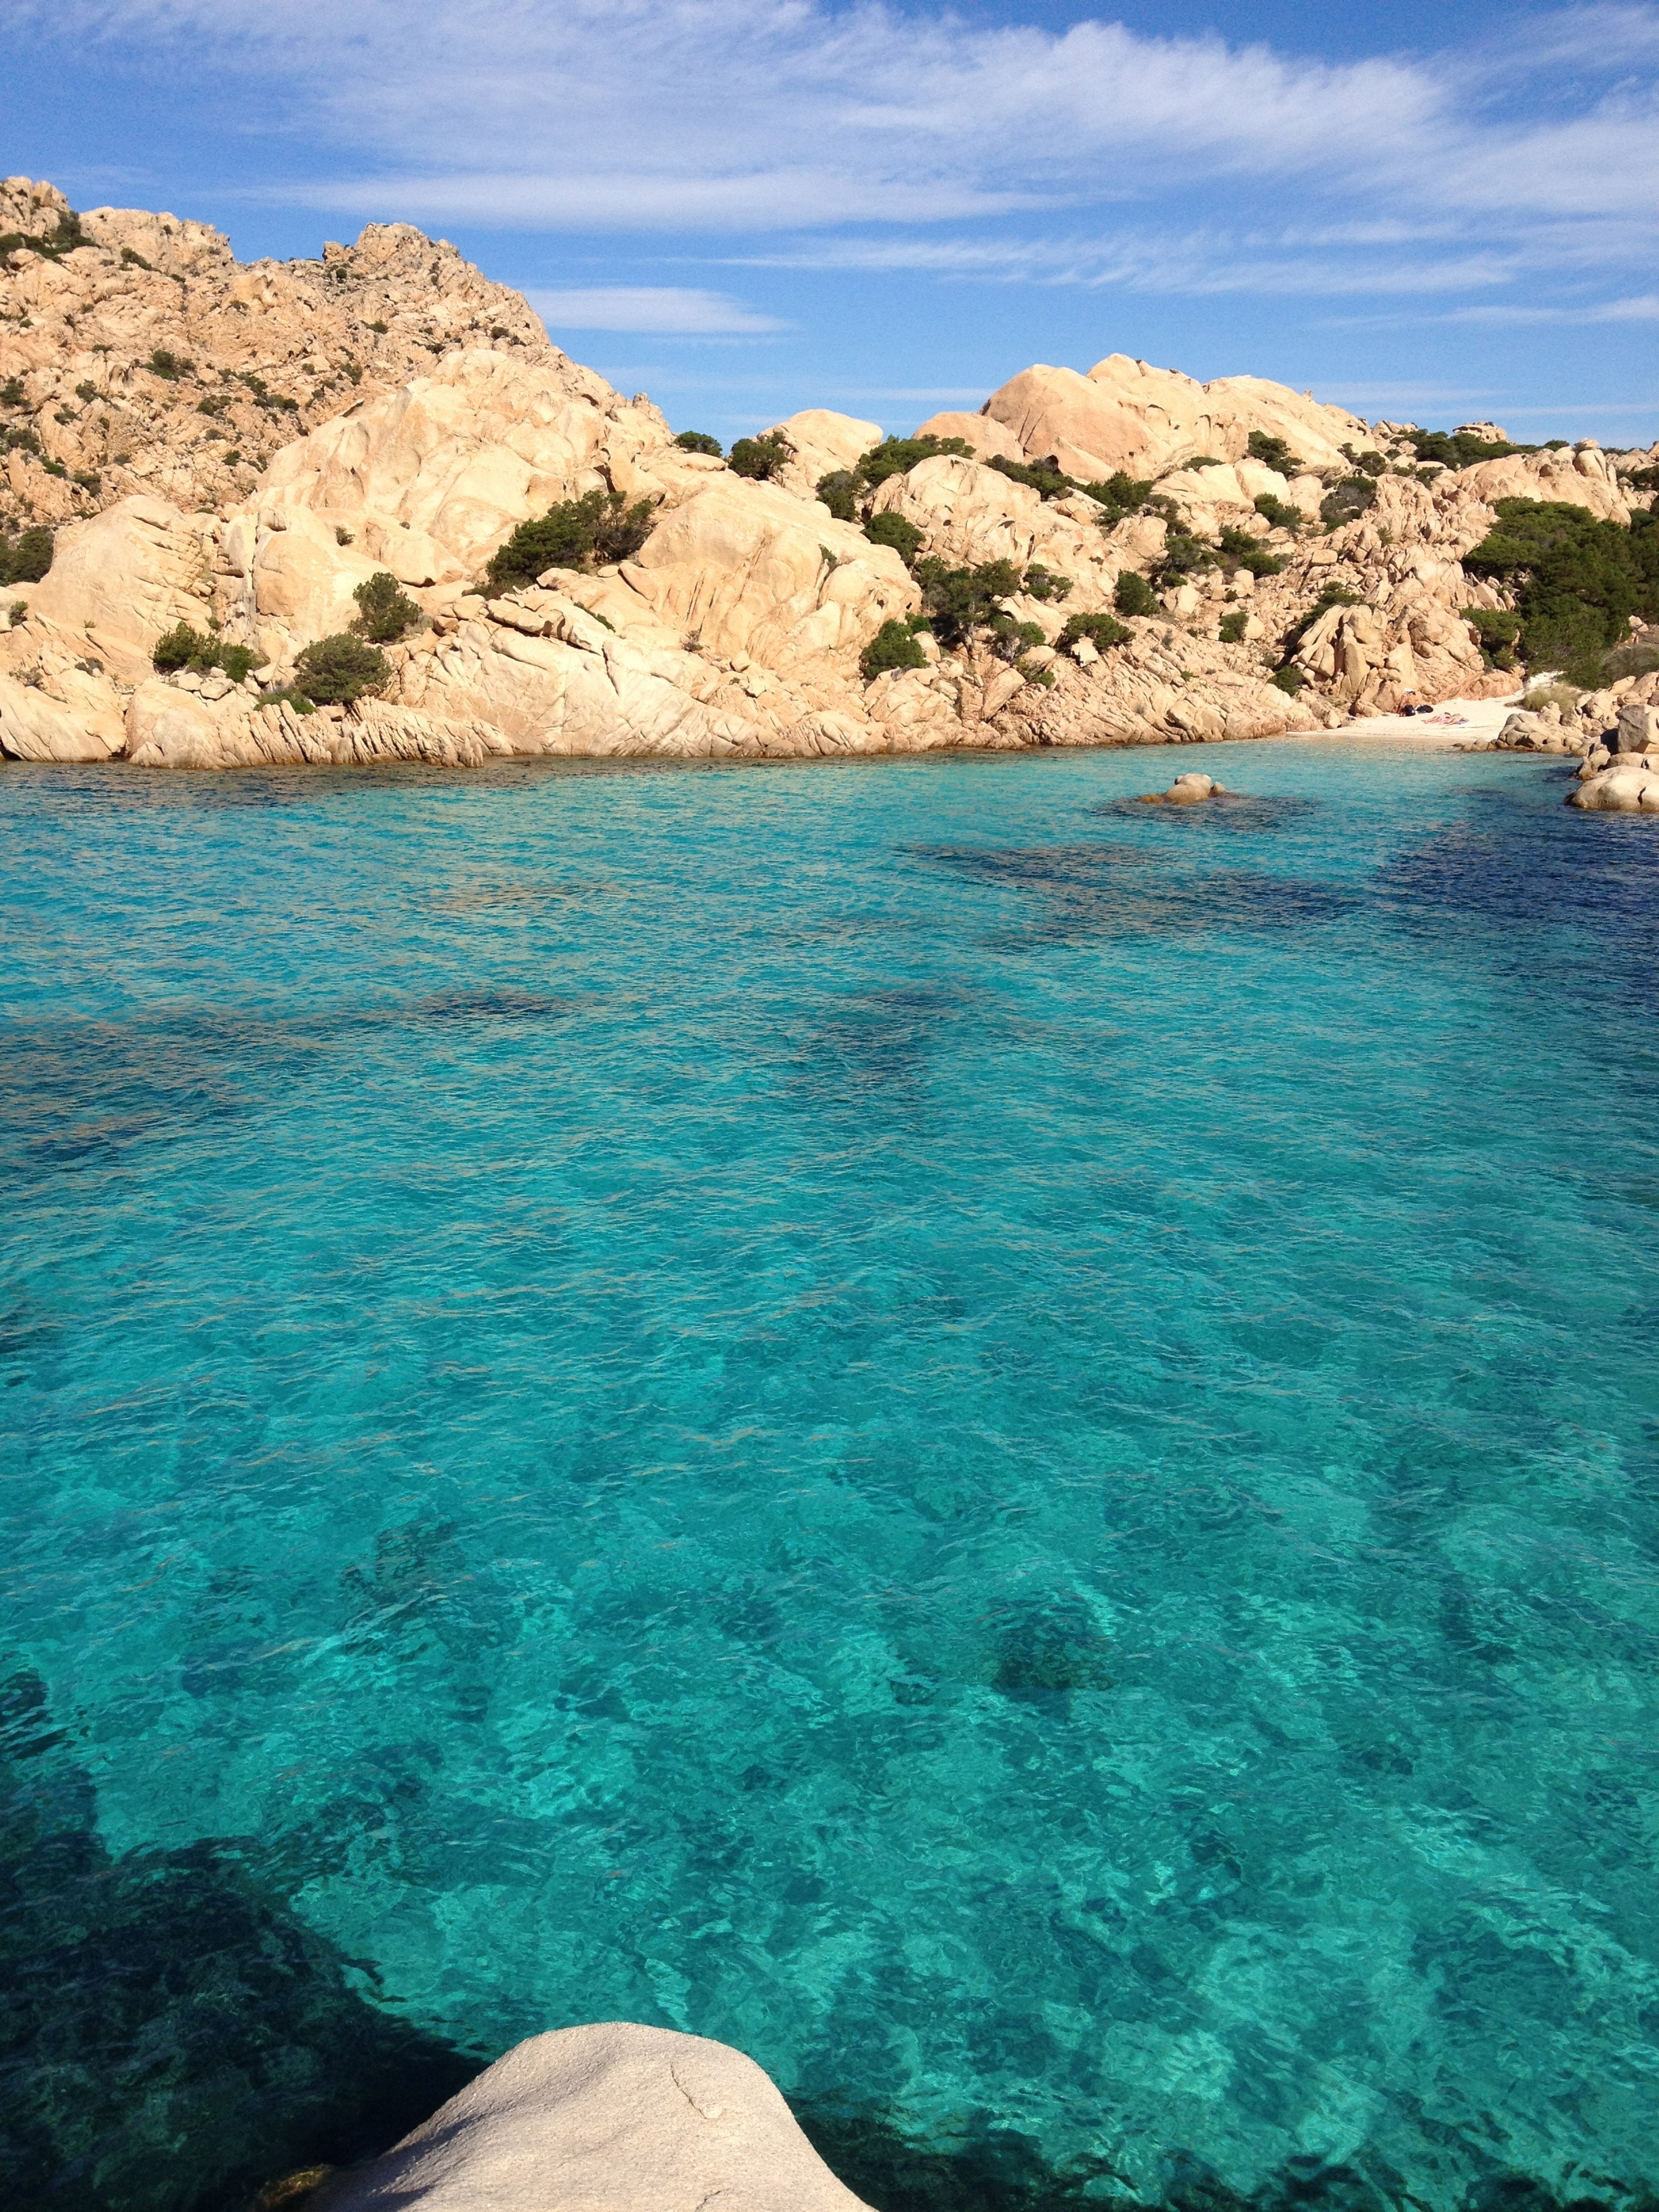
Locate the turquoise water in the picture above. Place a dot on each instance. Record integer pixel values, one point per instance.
(1003, 1447)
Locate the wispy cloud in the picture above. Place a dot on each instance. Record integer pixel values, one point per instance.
(640, 307)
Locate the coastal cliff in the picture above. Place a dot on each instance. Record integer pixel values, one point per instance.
(229, 458)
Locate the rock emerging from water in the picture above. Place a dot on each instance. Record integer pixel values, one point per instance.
(1620, 783)
(614, 2118)
(1190, 790)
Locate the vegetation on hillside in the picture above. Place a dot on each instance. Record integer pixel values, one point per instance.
(760, 458)
(184, 647)
(699, 441)
(1576, 581)
(26, 558)
(384, 613)
(597, 528)
(336, 671)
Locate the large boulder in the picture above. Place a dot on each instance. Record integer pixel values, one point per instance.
(1127, 414)
(610, 2118)
(1627, 787)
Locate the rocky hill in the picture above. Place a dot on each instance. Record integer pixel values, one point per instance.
(243, 461)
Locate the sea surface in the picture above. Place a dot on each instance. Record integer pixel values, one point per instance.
(1001, 1445)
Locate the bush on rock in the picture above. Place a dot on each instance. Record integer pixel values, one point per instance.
(184, 647)
(1348, 501)
(761, 458)
(26, 561)
(1102, 631)
(893, 645)
(959, 601)
(1273, 454)
(598, 527)
(1576, 581)
(336, 671)
(699, 441)
(386, 613)
(1133, 595)
(893, 530)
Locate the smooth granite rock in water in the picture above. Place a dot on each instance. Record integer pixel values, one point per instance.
(614, 2118)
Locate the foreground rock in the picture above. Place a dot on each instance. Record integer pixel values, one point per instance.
(608, 2118)
(1628, 784)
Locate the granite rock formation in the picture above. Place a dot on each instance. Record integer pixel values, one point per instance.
(407, 414)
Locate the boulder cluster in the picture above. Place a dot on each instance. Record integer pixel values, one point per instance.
(229, 458)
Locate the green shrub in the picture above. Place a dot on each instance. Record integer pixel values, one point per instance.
(1288, 679)
(897, 457)
(699, 441)
(166, 365)
(336, 671)
(839, 491)
(26, 561)
(86, 391)
(1101, 630)
(291, 694)
(1240, 550)
(184, 648)
(379, 329)
(343, 536)
(1576, 581)
(760, 459)
(1564, 695)
(1497, 633)
(1121, 495)
(88, 479)
(1273, 454)
(11, 393)
(54, 468)
(598, 527)
(959, 601)
(384, 613)
(132, 258)
(1643, 479)
(1183, 554)
(1044, 478)
(53, 246)
(1044, 583)
(893, 530)
(1278, 513)
(893, 645)
(1009, 640)
(1348, 501)
(1455, 449)
(1206, 461)
(1232, 626)
(1134, 595)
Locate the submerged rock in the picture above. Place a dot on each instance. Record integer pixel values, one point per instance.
(1188, 790)
(614, 2118)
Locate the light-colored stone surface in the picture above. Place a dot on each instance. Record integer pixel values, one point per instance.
(608, 2118)
(1629, 784)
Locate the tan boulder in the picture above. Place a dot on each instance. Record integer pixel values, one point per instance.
(745, 567)
(129, 574)
(608, 2118)
(988, 437)
(1127, 414)
(1626, 788)
(823, 442)
(36, 725)
(1584, 478)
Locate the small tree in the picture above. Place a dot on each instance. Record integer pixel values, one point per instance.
(1046, 478)
(384, 613)
(897, 457)
(184, 648)
(893, 530)
(760, 459)
(893, 645)
(841, 491)
(1273, 454)
(1046, 584)
(600, 526)
(1278, 513)
(28, 560)
(1101, 630)
(699, 441)
(1133, 595)
(336, 671)
(1348, 501)
(1232, 626)
(1240, 550)
(959, 601)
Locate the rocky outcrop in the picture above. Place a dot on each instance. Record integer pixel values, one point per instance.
(1127, 414)
(1190, 790)
(410, 414)
(1627, 784)
(150, 360)
(610, 2118)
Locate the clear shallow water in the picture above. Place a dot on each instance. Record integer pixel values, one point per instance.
(1001, 1447)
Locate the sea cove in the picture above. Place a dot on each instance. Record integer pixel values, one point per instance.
(999, 1445)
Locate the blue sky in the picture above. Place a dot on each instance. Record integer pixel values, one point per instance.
(749, 206)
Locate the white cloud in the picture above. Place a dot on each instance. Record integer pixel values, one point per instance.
(638, 307)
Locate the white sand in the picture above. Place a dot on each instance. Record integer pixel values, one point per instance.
(1481, 718)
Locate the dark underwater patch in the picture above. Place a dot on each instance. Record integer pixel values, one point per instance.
(875, 1041)
(1094, 889)
(1234, 812)
(172, 2035)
